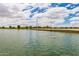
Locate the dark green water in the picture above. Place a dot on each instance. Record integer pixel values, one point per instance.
(38, 43)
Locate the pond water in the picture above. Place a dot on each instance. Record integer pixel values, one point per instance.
(38, 43)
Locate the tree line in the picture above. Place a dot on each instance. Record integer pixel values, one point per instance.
(23, 27)
(30, 27)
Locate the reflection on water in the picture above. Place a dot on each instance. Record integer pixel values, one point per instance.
(29, 42)
(67, 41)
(33, 43)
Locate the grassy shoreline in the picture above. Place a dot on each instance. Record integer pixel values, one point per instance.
(59, 30)
(46, 28)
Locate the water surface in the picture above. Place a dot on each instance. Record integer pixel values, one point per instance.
(38, 43)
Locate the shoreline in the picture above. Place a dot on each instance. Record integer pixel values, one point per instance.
(48, 29)
(59, 30)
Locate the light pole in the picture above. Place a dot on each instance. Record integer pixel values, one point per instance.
(37, 23)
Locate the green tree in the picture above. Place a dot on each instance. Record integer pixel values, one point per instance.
(30, 27)
(3, 27)
(18, 26)
(10, 27)
(26, 27)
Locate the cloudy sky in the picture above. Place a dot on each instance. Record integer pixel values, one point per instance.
(52, 14)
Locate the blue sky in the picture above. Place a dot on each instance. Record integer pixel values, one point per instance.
(69, 10)
(52, 14)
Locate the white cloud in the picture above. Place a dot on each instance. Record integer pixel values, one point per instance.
(13, 14)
